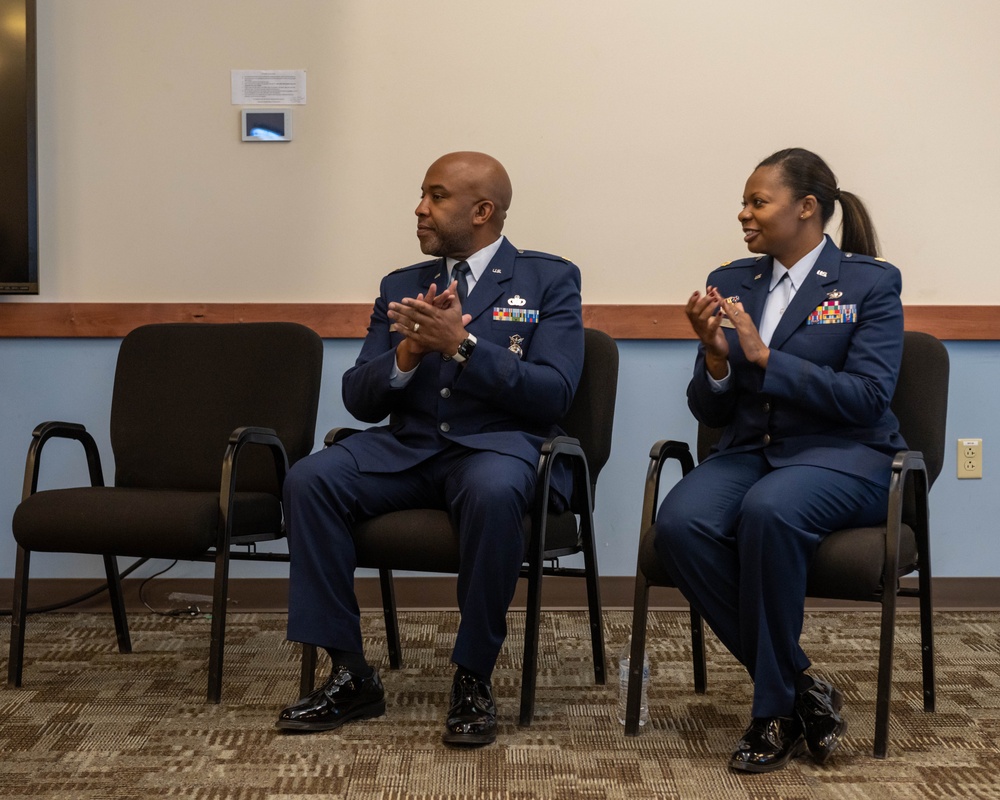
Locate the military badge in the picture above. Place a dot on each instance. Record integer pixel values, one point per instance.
(515, 345)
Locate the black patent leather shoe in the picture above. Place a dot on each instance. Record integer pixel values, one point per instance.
(343, 697)
(768, 744)
(472, 718)
(819, 707)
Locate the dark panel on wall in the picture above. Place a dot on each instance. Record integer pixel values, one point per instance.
(18, 154)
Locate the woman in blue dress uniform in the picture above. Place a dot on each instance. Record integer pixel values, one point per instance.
(798, 359)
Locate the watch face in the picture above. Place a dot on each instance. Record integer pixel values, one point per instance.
(465, 348)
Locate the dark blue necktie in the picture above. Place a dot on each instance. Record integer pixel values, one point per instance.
(459, 273)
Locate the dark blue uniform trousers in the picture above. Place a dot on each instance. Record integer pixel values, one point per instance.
(486, 494)
(737, 536)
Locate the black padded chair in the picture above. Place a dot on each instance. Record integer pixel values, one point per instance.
(192, 402)
(424, 540)
(851, 564)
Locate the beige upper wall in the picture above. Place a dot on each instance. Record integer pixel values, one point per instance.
(628, 129)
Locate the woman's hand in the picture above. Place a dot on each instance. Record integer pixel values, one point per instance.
(753, 346)
(703, 313)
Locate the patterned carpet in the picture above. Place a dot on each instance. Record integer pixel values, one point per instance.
(90, 723)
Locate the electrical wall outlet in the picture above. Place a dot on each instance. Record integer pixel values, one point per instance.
(970, 458)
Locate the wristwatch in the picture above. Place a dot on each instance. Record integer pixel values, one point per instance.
(465, 349)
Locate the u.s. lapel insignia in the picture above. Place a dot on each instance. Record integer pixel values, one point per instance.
(515, 345)
(758, 276)
(821, 273)
(836, 294)
(497, 270)
(516, 300)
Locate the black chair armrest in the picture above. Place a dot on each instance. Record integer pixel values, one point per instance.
(553, 449)
(907, 461)
(60, 430)
(248, 435)
(666, 449)
(909, 474)
(662, 451)
(238, 440)
(334, 435)
(562, 444)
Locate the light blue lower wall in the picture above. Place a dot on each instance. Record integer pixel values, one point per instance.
(71, 379)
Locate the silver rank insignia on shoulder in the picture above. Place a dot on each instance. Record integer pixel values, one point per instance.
(515, 345)
(836, 294)
(516, 300)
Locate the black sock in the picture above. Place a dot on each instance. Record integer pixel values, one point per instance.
(460, 670)
(803, 682)
(354, 662)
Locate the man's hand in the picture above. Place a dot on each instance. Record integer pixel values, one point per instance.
(431, 323)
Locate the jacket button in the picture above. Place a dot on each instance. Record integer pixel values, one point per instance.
(767, 438)
(446, 392)
(445, 427)
(766, 408)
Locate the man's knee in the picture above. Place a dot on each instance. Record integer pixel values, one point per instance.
(319, 474)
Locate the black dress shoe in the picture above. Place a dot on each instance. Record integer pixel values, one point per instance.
(343, 697)
(768, 744)
(472, 718)
(819, 707)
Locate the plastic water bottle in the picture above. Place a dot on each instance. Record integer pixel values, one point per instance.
(624, 659)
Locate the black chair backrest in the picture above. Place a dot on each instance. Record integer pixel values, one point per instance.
(181, 389)
(920, 401)
(592, 413)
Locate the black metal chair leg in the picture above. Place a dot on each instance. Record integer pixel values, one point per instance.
(18, 617)
(117, 599)
(885, 658)
(532, 624)
(698, 653)
(308, 677)
(927, 638)
(391, 619)
(594, 603)
(640, 614)
(218, 647)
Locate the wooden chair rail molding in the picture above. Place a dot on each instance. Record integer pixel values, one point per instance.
(350, 320)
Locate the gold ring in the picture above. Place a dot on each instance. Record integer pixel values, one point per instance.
(416, 327)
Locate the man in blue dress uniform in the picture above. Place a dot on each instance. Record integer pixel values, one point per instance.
(475, 357)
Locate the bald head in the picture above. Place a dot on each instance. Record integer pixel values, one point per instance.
(463, 205)
(483, 175)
